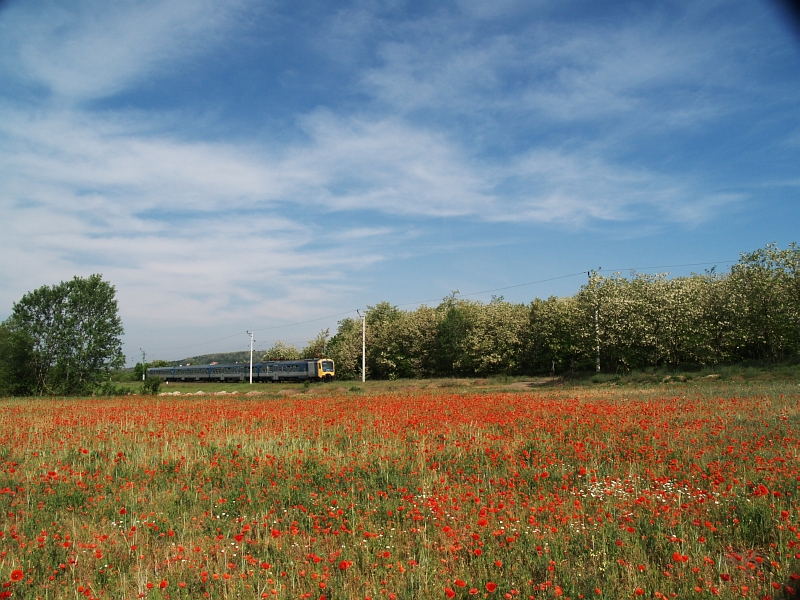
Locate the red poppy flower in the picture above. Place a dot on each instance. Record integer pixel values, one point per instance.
(343, 565)
(449, 592)
(490, 586)
(16, 575)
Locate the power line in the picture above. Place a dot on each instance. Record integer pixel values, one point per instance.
(205, 343)
(509, 287)
(716, 262)
(304, 322)
(500, 289)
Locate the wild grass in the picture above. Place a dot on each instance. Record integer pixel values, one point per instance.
(670, 490)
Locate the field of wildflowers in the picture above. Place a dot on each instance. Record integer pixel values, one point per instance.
(570, 494)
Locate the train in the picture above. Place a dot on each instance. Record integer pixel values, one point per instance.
(318, 369)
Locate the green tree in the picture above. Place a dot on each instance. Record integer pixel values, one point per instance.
(317, 347)
(16, 375)
(765, 287)
(72, 331)
(280, 350)
(345, 349)
(454, 327)
(139, 369)
(551, 337)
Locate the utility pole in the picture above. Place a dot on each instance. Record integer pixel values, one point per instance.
(144, 365)
(250, 333)
(596, 323)
(597, 333)
(363, 345)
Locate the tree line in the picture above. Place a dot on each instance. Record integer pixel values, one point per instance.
(66, 339)
(624, 322)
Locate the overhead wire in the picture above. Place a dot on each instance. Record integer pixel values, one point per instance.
(458, 294)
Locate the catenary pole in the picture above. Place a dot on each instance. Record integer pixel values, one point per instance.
(596, 325)
(144, 365)
(250, 333)
(363, 345)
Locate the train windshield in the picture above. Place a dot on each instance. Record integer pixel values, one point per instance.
(327, 366)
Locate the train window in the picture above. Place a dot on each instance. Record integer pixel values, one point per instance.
(327, 366)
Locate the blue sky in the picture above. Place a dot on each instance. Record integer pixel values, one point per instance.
(249, 165)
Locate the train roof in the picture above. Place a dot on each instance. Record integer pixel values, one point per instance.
(245, 364)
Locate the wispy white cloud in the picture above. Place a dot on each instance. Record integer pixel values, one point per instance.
(94, 49)
(457, 115)
(663, 67)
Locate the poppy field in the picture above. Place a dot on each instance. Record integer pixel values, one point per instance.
(560, 494)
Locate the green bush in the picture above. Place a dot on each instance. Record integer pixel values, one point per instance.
(151, 386)
(108, 388)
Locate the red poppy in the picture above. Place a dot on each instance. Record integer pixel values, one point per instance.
(449, 592)
(490, 586)
(343, 565)
(16, 575)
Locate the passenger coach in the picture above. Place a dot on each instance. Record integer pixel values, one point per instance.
(321, 369)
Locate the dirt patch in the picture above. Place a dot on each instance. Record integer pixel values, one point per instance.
(445, 383)
(526, 385)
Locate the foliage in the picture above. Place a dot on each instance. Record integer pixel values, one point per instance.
(281, 351)
(345, 349)
(139, 369)
(109, 388)
(600, 495)
(16, 373)
(72, 331)
(317, 347)
(151, 386)
(641, 321)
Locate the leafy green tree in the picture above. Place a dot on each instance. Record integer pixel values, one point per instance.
(493, 344)
(16, 374)
(139, 369)
(386, 356)
(345, 349)
(550, 339)
(765, 287)
(453, 329)
(639, 321)
(280, 350)
(317, 347)
(73, 334)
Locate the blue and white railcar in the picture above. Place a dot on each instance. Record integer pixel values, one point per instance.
(318, 369)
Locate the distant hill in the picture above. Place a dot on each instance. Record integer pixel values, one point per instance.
(221, 357)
